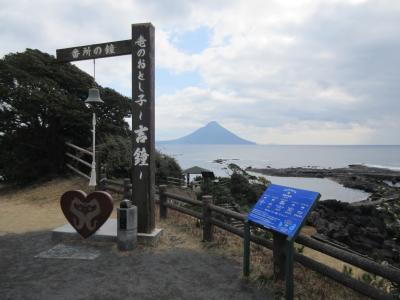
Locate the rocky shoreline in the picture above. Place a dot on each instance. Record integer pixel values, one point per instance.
(381, 183)
(372, 230)
(370, 227)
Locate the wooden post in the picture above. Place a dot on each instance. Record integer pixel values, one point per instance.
(163, 200)
(101, 186)
(208, 228)
(143, 136)
(279, 257)
(246, 249)
(127, 186)
(289, 270)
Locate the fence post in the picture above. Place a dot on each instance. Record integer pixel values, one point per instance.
(246, 249)
(208, 228)
(279, 257)
(163, 200)
(101, 186)
(127, 193)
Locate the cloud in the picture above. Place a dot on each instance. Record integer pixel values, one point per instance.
(274, 71)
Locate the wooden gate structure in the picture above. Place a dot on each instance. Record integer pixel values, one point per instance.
(141, 47)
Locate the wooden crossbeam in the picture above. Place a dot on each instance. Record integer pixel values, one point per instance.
(94, 51)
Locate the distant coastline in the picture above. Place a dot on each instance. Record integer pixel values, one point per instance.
(284, 156)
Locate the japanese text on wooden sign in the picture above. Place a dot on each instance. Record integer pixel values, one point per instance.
(95, 51)
(283, 209)
(143, 139)
(140, 150)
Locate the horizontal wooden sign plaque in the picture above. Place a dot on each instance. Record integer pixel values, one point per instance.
(95, 51)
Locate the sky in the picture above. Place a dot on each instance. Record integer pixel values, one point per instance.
(274, 72)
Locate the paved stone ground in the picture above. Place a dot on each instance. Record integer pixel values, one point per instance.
(143, 274)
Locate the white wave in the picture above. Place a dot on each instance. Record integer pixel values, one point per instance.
(383, 167)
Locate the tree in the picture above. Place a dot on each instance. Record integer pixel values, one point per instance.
(166, 166)
(41, 107)
(244, 192)
(116, 154)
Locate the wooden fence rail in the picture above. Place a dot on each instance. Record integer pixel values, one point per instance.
(123, 187)
(175, 181)
(184, 199)
(75, 158)
(79, 149)
(115, 182)
(208, 218)
(78, 159)
(77, 171)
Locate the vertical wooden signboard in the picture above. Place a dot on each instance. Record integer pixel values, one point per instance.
(143, 139)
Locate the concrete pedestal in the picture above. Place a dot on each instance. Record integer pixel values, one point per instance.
(127, 227)
(106, 233)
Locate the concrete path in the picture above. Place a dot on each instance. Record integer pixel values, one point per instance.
(144, 274)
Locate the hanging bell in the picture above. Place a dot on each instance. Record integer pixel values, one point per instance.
(94, 97)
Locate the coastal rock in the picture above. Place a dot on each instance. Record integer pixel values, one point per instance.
(365, 229)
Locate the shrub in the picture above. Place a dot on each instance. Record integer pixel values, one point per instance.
(116, 157)
(243, 191)
(166, 166)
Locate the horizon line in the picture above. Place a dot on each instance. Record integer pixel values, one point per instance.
(258, 144)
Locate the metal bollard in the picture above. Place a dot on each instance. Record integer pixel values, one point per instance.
(127, 226)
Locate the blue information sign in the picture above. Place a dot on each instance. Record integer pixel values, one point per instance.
(283, 209)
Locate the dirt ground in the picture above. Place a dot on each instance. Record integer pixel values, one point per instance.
(34, 208)
(142, 274)
(177, 269)
(28, 215)
(38, 207)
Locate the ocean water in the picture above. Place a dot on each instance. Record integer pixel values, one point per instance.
(328, 189)
(283, 156)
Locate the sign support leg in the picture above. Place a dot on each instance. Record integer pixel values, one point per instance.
(278, 251)
(289, 270)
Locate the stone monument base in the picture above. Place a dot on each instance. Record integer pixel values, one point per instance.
(106, 233)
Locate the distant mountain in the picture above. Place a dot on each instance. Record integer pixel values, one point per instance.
(212, 133)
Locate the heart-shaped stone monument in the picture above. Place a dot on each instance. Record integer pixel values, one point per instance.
(86, 213)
